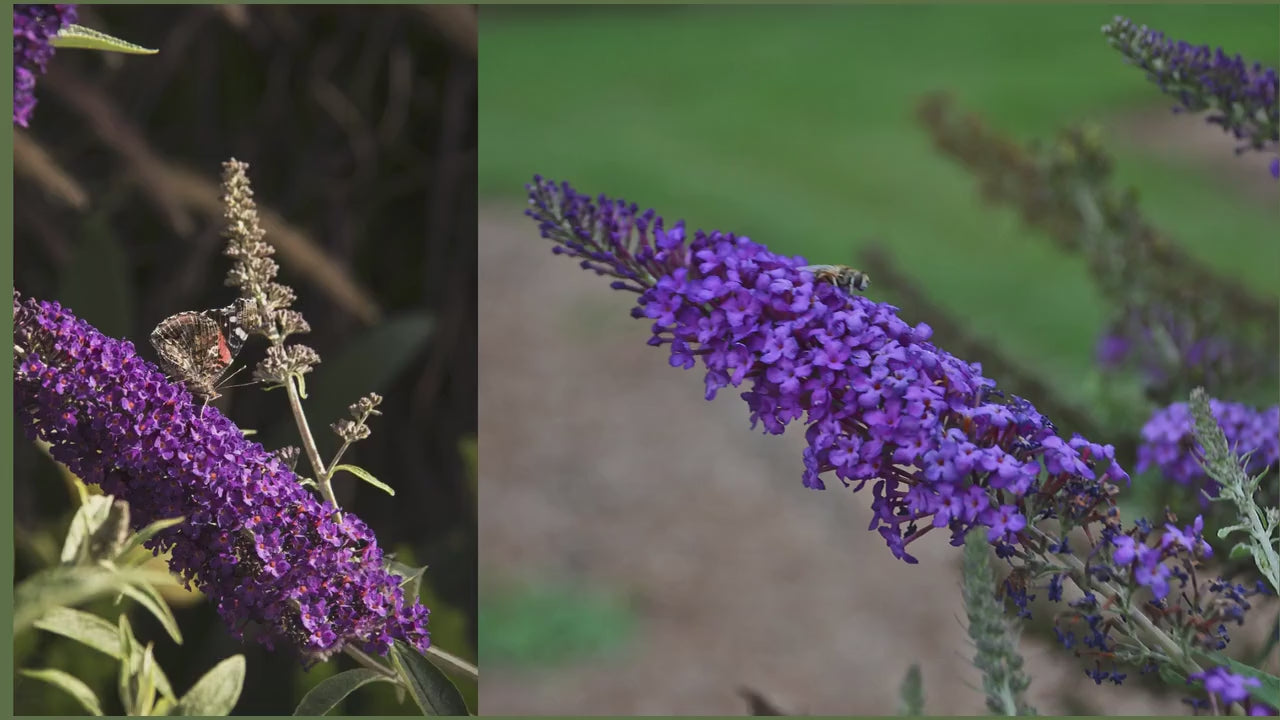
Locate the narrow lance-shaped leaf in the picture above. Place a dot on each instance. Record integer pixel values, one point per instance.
(78, 36)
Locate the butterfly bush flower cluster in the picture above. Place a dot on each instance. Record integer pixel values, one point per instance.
(882, 404)
(1242, 96)
(263, 549)
(33, 27)
(1169, 443)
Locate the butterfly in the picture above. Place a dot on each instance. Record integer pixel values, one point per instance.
(197, 347)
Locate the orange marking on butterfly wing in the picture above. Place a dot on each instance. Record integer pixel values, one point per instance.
(224, 352)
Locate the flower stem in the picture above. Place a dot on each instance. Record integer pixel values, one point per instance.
(309, 442)
(455, 663)
(1166, 643)
(368, 661)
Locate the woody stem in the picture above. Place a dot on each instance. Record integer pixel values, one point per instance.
(309, 442)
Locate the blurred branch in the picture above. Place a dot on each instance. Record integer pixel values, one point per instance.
(30, 160)
(878, 262)
(1033, 182)
(457, 23)
(1185, 323)
(175, 190)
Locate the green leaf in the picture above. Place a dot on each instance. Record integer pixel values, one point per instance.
(129, 667)
(366, 476)
(95, 632)
(1241, 550)
(83, 38)
(69, 684)
(85, 628)
(137, 539)
(410, 577)
(217, 692)
(144, 683)
(88, 518)
(148, 597)
(65, 586)
(329, 692)
(431, 689)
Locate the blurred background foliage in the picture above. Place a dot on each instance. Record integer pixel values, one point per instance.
(359, 127)
(799, 127)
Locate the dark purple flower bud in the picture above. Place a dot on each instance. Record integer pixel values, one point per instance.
(33, 26)
(881, 403)
(262, 548)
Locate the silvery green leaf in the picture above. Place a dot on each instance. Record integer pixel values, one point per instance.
(66, 586)
(80, 37)
(326, 695)
(148, 532)
(431, 689)
(69, 684)
(366, 476)
(148, 597)
(88, 518)
(217, 693)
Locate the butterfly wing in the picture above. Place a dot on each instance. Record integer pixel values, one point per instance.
(188, 346)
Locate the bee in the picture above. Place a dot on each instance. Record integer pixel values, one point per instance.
(842, 276)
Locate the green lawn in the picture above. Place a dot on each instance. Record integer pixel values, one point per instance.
(794, 126)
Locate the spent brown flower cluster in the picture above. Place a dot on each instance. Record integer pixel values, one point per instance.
(253, 272)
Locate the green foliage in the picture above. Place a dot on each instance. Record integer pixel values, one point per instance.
(1003, 679)
(331, 691)
(216, 692)
(69, 684)
(911, 693)
(366, 476)
(1261, 525)
(89, 570)
(78, 36)
(429, 687)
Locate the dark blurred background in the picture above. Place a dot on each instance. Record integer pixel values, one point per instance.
(359, 127)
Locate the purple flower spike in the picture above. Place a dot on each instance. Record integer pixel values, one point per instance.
(262, 548)
(33, 26)
(1241, 96)
(1169, 443)
(881, 403)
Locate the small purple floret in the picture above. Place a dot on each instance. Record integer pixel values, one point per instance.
(33, 26)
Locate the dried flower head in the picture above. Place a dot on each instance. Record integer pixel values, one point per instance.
(261, 547)
(253, 272)
(283, 361)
